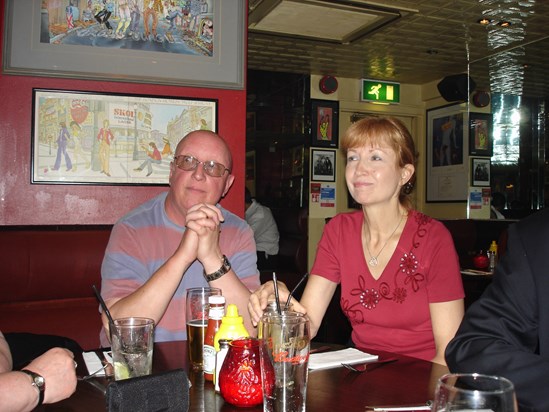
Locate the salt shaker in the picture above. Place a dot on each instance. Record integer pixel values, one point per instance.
(219, 359)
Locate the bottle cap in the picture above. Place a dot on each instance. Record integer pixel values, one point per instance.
(232, 317)
(216, 299)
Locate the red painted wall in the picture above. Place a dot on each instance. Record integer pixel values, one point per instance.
(24, 203)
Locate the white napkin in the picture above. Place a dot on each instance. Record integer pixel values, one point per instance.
(336, 358)
(93, 363)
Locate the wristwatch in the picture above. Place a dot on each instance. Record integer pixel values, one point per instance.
(225, 267)
(39, 382)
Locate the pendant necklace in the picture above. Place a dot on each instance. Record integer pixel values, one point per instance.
(373, 259)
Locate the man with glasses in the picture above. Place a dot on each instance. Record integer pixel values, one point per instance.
(181, 239)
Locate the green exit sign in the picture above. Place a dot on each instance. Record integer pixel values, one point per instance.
(380, 92)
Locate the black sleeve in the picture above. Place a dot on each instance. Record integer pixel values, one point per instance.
(506, 331)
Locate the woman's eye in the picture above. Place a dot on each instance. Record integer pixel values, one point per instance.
(352, 158)
(376, 157)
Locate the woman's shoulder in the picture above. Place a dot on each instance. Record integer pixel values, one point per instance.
(428, 223)
(346, 218)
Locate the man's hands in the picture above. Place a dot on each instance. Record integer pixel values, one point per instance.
(205, 220)
(58, 369)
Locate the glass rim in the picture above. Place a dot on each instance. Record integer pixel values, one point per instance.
(131, 321)
(203, 288)
(506, 386)
(286, 317)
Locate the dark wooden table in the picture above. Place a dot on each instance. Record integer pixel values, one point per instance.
(408, 381)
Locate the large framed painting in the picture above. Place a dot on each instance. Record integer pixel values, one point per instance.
(447, 158)
(100, 138)
(190, 43)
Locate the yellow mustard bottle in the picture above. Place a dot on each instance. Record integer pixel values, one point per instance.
(232, 326)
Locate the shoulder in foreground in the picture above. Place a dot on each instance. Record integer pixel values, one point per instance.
(345, 217)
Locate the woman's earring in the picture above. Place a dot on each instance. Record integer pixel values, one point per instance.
(408, 187)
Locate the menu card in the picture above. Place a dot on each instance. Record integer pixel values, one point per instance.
(334, 359)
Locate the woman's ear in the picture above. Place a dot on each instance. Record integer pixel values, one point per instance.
(407, 173)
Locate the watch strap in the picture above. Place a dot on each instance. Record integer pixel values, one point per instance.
(38, 382)
(225, 267)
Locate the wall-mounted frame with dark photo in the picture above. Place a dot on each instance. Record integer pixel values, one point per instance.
(323, 165)
(480, 171)
(324, 123)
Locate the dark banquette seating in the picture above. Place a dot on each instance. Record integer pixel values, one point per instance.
(46, 279)
(47, 273)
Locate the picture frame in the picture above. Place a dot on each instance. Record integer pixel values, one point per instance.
(324, 123)
(481, 138)
(111, 139)
(447, 154)
(480, 171)
(323, 165)
(39, 41)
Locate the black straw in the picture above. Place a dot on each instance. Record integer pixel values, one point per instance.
(103, 305)
(277, 299)
(287, 305)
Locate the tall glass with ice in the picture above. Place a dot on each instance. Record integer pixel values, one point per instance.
(284, 352)
(132, 347)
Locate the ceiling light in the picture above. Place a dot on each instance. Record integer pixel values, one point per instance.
(335, 21)
(504, 23)
(484, 21)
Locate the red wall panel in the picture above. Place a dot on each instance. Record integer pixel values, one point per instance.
(24, 203)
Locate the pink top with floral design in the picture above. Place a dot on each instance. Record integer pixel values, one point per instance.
(392, 312)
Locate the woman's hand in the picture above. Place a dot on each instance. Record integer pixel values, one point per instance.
(265, 294)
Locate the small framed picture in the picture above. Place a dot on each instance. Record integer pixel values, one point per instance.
(324, 123)
(480, 171)
(480, 134)
(323, 165)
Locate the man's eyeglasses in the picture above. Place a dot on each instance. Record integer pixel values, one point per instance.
(211, 168)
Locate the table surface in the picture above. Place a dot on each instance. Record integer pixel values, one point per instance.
(408, 381)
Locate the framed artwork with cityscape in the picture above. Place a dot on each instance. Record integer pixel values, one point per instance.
(100, 138)
(145, 41)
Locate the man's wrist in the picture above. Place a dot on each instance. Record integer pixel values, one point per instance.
(221, 271)
(38, 382)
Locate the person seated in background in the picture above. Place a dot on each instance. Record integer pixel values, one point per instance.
(497, 206)
(23, 391)
(398, 268)
(261, 220)
(180, 239)
(506, 331)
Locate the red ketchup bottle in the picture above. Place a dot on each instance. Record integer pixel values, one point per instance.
(215, 314)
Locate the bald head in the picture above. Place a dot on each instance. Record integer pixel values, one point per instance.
(201, 138)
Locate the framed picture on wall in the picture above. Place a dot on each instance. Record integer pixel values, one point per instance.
(325, 123)
(447, 164)
(480, 171)
(481, 139)
(99, 138)
(323, 165)
(53, 38)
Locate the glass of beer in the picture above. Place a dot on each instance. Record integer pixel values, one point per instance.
(197, 319)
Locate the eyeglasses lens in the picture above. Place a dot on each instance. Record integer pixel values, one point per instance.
(210, 167)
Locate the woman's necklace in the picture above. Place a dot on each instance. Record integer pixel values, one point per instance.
(373, 259)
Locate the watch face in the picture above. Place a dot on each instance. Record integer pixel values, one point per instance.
(39, 381)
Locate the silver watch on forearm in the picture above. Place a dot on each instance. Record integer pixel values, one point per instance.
(225, 267)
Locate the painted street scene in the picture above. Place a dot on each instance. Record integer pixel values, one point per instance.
(99, 138)
(178, 26)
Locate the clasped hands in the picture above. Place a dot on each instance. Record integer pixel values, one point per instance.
(201, 239)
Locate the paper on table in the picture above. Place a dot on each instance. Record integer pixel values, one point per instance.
(93, 363)
(336, 358)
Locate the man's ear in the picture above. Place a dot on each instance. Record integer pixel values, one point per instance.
(228, 184)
